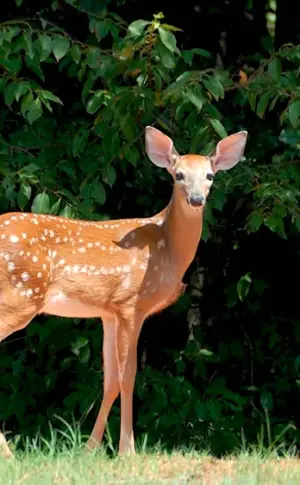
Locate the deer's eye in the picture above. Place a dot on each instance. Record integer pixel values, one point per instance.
(210, 176)
(179, 176)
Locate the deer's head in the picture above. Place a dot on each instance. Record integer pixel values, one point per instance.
(194, 174)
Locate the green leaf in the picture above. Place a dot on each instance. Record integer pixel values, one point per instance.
(95, 102)
(275, 224)
(214, 86)
(48, 95)
(79, 142)
(275, 69)
(136, 28)
(19, 3)
(78, 344)
(263, 104)
(166, 56)
(35, 111)
(206, 352)
(67, 211)
(243, 286)
(168, 39)
(97, 192)
(194, 99)
(187, 57)
(171, 27)
(201, 52)
(75, 53)
(41, 204)
(28, 44)
(294, 113)
(60, 47)
(218, 127)
(55, 208)
(255, 221)
(85, 354)
(102, 28)
(34, 65)
(24, 195)
(46, 47)
(129, 128)
(9, 93)
(20, 90)
(26, 103)
(11, 32)
(109, 175)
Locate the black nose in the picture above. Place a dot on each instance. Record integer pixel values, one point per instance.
(197, 200)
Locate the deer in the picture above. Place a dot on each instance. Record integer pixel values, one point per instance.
(121, 270)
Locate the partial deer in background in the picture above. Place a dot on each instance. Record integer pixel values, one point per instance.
(121, 271)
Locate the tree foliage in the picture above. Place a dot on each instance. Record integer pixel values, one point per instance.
(73, 113)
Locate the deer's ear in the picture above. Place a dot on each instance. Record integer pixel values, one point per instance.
(229, 151)
(160, 148)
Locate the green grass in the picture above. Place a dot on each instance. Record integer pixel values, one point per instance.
(64, 461)
(78, 468)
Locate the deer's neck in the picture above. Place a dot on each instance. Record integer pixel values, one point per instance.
(182, 228)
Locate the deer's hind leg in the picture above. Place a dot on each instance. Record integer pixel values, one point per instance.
(111, 387)
(16, 312)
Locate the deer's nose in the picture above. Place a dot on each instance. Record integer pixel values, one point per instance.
(197, 200)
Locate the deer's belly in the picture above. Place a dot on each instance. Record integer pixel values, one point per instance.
(61, 305)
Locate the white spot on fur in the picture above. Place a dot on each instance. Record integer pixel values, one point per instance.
(127, 281)
(14, 239)
(25, 276)
(161, 244)
(35, 259)
(11, 266)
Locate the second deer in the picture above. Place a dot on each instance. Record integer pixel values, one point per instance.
(121, 271)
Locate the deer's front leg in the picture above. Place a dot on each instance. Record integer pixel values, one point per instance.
(127, 340)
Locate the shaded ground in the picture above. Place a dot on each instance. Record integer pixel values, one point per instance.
(175, 469)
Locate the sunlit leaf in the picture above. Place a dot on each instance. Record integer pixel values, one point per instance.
(168, 39)
(60, 46)
(136, 28)
(218, 127)
(41, 204)
(34, 111)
